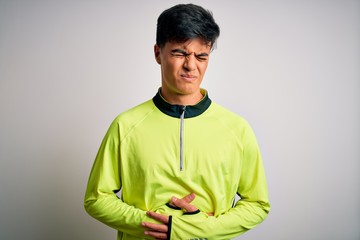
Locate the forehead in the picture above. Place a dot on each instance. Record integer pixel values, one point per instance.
(191, 45)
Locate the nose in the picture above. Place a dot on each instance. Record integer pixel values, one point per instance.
(190, 63)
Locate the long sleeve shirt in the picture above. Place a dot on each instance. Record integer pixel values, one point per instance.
(157, 150)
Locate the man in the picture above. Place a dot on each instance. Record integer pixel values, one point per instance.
(179, 159)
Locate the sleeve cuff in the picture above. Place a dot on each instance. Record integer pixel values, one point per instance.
(169, 228)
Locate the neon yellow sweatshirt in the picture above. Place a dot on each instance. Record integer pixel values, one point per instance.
(157, 150)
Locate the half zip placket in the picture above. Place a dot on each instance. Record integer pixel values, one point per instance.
(189, 111)
(182, 117)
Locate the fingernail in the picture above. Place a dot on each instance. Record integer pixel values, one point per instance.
(174, 199)
(191, 196)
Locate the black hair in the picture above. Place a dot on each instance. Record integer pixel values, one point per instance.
(183, 22)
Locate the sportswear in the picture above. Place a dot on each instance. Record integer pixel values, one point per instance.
(157, 150)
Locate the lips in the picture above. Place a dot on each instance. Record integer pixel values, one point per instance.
(188, 77)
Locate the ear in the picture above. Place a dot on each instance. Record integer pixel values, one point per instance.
(157, 54)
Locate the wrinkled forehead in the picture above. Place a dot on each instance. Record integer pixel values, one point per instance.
(193, 45)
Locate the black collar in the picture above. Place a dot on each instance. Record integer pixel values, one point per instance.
(176, 110)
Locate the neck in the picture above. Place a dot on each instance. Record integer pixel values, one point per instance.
(181, 99)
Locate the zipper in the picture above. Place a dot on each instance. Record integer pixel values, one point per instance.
(182, 116)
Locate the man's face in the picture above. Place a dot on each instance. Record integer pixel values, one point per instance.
(183, 66)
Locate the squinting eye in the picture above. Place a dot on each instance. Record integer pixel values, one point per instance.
(202, 58)
(178, 54)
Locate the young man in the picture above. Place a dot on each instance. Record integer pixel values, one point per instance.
(179, 158)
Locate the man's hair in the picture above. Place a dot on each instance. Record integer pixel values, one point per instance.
(183, 22)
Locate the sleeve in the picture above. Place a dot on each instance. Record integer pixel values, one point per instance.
(252, 208)
(101, 201)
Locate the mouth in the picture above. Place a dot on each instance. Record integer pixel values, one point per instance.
(188, 77)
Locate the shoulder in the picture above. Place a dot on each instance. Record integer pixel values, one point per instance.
(137, 112)
(233, 123)
(227, 116)
(130, 118)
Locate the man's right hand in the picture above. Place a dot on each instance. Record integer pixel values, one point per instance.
(160, 230)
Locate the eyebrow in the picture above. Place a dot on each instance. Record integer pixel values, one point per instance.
(202, 55)
(182, 51)
(178, 50)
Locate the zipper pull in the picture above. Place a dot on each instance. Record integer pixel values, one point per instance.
(182, 116)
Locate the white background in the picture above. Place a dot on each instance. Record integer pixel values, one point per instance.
(291, 68)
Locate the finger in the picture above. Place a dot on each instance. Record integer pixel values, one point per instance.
(156, 235)
(189, 198)
(155, 227)
(181, 203)
(159, 217)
